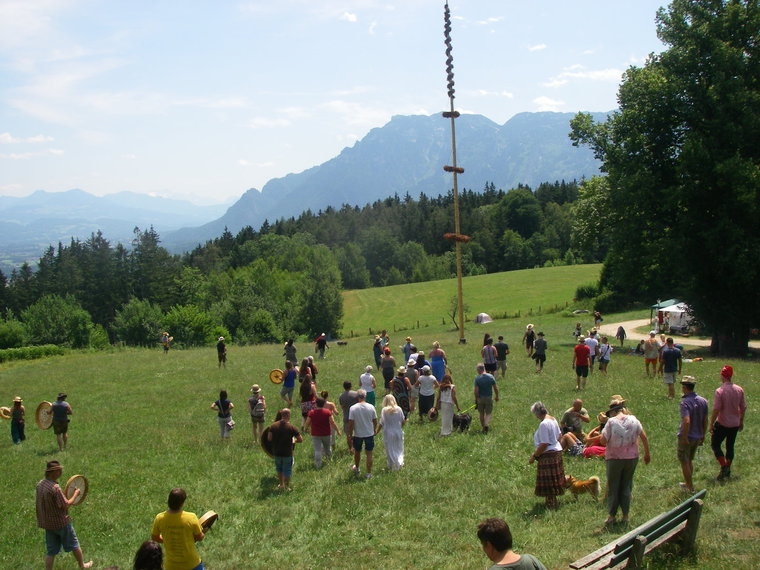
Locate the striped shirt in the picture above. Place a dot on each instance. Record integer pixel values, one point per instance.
(730, 404)
(52, 510)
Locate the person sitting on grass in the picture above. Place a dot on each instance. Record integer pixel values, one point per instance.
(496, 540)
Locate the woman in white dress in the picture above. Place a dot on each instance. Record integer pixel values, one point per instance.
(392, 419)
(447, 399)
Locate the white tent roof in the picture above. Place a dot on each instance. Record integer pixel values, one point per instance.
(677, 308)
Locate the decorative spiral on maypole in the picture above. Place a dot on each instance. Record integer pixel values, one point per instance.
(449, 57)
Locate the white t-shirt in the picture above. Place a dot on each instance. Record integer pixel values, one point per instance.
(426, 385)
(362, 414)
(592, 344)
(548, 432)
(366, 382)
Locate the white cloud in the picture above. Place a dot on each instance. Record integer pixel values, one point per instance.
(243, 162)
(29, 155)
(547, 104)
(487, 93)
(129, 156)
(488, 21)
(537, 47)
(578, 72)
(56, 151)
(348, 17)
(372, 28)
(7, 138)
(356, 114)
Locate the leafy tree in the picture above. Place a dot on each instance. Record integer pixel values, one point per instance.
(592, 216)
(12, 333)
(189, 325)
(353, 266)
(321, 301)
(519, 210)
(683, 161)
(138, 323)
(58, 320)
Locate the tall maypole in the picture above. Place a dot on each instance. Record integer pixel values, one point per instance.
(451, 114)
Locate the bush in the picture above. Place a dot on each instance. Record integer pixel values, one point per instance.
(588, 291)
(189, 325)
(12, 334)
(58, 320)
(608, 302)
(138, 323)
(30, 352)
(99, 338)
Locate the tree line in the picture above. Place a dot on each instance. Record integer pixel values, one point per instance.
(283, 279)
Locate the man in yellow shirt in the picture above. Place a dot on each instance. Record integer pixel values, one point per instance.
(178, 531)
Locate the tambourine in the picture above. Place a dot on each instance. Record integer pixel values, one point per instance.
(76, 482)
(266, 445)
(44, 415)
(276, 376)
(208, 520)
(5, 413)
(433, 414)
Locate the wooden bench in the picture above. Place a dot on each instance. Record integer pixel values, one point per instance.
(682, 523)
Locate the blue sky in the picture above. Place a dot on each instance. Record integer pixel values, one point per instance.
(203, 100)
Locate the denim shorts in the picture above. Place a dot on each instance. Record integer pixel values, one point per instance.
(284, 465)
(64, 537)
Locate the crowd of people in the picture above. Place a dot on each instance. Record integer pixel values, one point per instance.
(424, 386)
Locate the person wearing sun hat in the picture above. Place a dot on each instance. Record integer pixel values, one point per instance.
(17, 420)
(52, 508)
(691, 432)
(257, 406)
(727, 420)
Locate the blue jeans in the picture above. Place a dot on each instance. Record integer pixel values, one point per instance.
(284, 465)
(64, 537)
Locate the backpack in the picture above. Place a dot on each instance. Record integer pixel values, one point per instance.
(258, 410)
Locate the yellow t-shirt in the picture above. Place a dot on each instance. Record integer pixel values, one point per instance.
(178, 531)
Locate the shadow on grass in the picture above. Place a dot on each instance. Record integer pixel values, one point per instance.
(268, 487)
(48, 453)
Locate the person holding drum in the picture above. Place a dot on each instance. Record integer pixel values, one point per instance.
(61, 411)
(178, 530)
(224, 414)
(53, 515)
(17, 420)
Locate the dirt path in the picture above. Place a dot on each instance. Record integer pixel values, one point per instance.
(631, 333)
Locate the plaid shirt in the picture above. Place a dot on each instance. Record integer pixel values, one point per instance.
(52, 510)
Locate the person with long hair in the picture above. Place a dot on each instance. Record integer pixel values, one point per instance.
(401, 388)
(388, 366)
(437, 361)
(488, 352)
(149, 556)
(223, 408)
(447, 399)
(550, 476)
(621, 436)
(393, 420)
(308, 393)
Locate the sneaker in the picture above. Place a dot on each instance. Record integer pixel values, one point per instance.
(368, 476)
(355, 469)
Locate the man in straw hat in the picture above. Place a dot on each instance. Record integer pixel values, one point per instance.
(727, 419)
(691, 432)
(53, 516)
(61, 411)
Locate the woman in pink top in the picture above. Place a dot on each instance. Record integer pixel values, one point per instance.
(621, 435)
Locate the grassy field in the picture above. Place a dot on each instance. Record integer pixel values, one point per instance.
(421, 305)
(142, 425)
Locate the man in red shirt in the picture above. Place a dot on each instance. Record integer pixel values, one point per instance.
(53, 515)
(581, 356)
(320, 421)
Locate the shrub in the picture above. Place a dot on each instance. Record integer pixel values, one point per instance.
(12, 334)
(99, 338)
(608, 302)
(30, 352)
(58, 320)
(138, 323)
(588, 291)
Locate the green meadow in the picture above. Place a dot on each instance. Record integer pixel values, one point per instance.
(142, 425)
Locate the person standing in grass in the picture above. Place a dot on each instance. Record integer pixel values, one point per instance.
(401, 388)
(387, 365)
(52, 508)
(221, 352)
(496, 540)
(486, 392)
(288, 383)
(368, 384)
(671, 365)
(427, 385)
(605, 355)
(362, 423)
(393, 420)
(550, 476)
(320, 344)
(18, 413)
(257, 405)
(437, 358)
(489, 355)
(727, 420)
(581, 356)
(621, 435)
(281, 434)
(651, 354)
(502, 350)
(540, 352)
(529, 337)
(319, 422)
(223, 409)
(61, 411)
(408, 348)
(447, 399)
(335, 412)
(620, 335)
(289, 351)
(691, 432)
(412, 375)
(178, 530)
(347, 399)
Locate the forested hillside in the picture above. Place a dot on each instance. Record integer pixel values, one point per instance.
(284, 278)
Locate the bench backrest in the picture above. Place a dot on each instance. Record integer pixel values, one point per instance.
(654, 528)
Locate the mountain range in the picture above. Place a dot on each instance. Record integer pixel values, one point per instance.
(405, 156)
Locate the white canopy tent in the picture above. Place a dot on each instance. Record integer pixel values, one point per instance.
(674, 317)
(483, 318)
